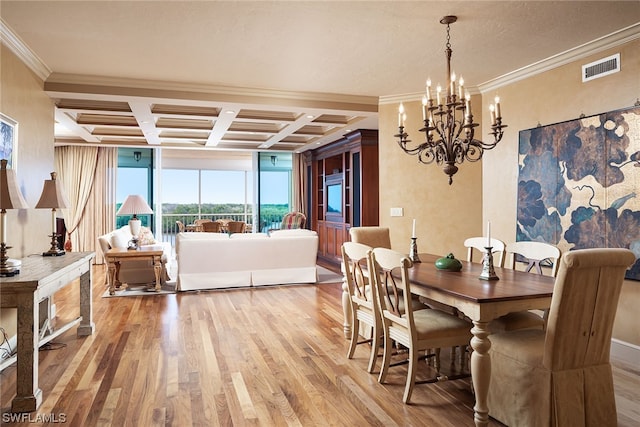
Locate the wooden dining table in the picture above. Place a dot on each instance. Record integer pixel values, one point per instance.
(481, 301)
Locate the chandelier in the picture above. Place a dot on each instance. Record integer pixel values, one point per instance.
(448, 123)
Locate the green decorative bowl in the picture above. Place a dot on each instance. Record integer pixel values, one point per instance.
(448, 263)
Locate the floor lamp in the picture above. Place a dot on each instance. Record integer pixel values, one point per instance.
(53, 197)
(10, 198)
(134, 205)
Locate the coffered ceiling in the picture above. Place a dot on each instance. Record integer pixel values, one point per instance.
(276, 75)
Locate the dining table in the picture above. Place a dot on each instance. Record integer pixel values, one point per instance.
(481, 301)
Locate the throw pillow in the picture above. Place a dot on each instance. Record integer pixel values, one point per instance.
(146, 237)
(120, 238)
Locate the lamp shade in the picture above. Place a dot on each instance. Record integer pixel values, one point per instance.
(53, 195)
(134, 205)
(10, 195)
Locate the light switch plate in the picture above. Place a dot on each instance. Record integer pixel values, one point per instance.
(397, 212)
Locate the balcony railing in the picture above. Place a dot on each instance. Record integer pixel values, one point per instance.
(170, 227)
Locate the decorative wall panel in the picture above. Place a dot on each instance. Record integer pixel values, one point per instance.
(579, 182)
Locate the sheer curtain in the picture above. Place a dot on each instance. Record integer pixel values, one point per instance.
(299, 184)
(88, 175)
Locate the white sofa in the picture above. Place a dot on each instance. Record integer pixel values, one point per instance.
(136, 271)
(217, 260)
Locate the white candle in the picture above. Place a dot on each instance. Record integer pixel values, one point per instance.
(460, 88)
(429, 89)
(424, 107)
(498, 106)
(493, 114)
(400, 113)
(488, 234)
(438, 90)
(413, 232)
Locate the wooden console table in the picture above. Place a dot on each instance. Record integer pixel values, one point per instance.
(39, 278)
(116, 256)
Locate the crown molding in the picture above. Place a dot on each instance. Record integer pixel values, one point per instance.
(10, 39)
(620, 37)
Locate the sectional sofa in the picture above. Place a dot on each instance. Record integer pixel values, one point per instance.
(218, 260)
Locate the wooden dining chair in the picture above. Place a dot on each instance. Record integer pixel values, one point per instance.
(362, 300)
(479, 243)
(181, 227)
(562, 376)
(211, 226)
(418, 330)
(534, 253)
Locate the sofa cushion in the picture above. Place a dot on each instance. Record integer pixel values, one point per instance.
(248, 236)
(292, 233)
(120, 238)
(146, 237)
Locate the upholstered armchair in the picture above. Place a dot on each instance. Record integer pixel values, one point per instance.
(136, 271)
(561, 376)
(374, 236)
(293, 220)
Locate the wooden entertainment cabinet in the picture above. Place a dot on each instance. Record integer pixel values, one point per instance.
(343, 189)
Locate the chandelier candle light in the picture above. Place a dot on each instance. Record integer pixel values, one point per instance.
(448, 123)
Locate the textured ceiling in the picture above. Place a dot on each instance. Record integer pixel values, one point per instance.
(284, 75)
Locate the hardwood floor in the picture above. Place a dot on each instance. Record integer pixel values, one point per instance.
(268, 356)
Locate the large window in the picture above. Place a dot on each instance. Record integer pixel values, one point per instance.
(190, 194)
(275, 188)
(135, 168)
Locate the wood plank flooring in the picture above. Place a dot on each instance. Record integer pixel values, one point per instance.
(268, 356)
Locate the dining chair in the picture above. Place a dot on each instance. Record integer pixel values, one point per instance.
(534, 253)
(562, 376)
(181, 226)
(419, 330)
(293, 220)
(362, 300)
(376, 237)
(236, 227)
(211, 226)
(479, 243)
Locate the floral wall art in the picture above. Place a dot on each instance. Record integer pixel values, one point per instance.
(579, 183)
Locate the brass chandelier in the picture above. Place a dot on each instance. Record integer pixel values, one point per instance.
(448, 123)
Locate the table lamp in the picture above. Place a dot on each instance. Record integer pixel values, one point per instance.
(53, 197)
(134, 205)
(10, 198)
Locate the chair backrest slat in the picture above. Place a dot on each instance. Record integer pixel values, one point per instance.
(535, 253)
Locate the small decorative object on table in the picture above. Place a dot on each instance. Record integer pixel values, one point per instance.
(449, 263)
(133, 244)
(488, 273)
(413, 250)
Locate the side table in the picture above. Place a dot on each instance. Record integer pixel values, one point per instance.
(117, 256)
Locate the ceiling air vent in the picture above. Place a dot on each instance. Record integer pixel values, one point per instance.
(601, 67)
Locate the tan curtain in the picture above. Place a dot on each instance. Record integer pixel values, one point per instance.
(89, 178)
(299, 184)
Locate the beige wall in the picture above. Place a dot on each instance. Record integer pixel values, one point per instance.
(22, 98)
(447, 215)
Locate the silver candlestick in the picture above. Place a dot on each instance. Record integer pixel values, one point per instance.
(488, 273)
(413, 250)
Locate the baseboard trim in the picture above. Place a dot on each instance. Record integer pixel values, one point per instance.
(625, 352)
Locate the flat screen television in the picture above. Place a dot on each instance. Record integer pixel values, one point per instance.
(334, 198)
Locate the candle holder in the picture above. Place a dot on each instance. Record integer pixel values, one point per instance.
(488, 273)
(413, 250)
